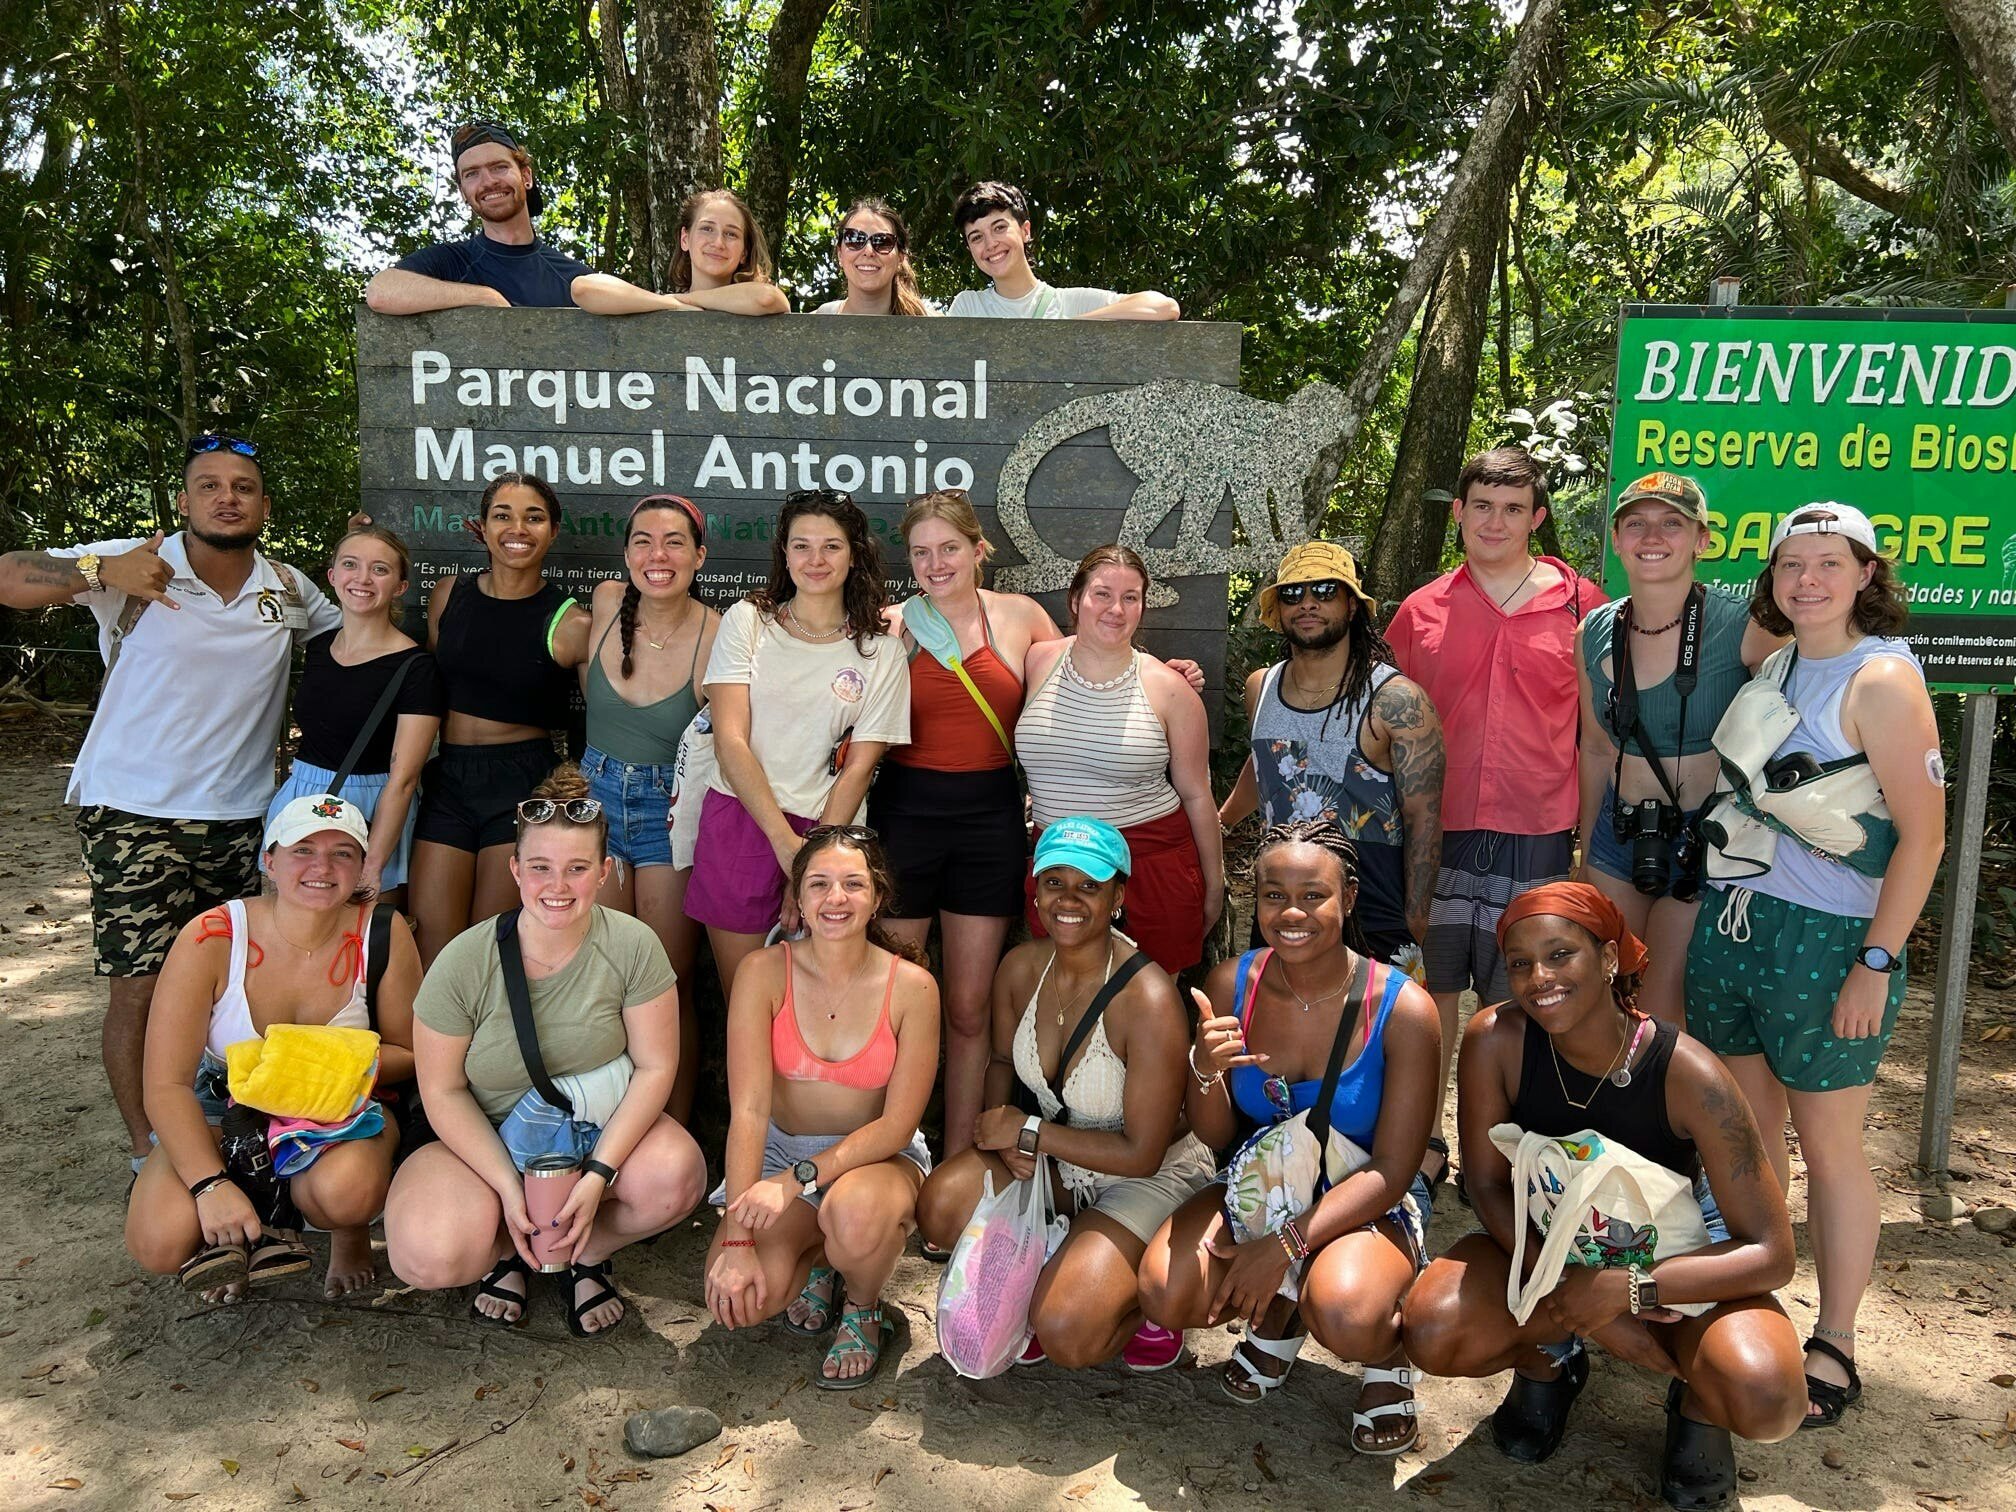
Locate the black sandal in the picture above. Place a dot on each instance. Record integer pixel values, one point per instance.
(1440, 1146)
(1533, 1419)
(1699, 1470)
(1832, 1400)
(492, 1286)
(605, 1293)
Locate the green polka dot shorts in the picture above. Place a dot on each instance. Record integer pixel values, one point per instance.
(1762, 979)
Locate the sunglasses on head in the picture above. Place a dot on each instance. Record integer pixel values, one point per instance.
(854, 239)
(820, 833)
(1323, 592)
(573, 810)
(214, 442)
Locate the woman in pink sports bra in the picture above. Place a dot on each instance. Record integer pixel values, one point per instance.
(832, 1053)
(295, 957)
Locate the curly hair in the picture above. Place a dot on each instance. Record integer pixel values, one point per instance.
(626, 616)
(904, 298)
(1325, 835)
(1879, 609)
(866, 844)
(864, 594)
(565, 784)
(755, 264)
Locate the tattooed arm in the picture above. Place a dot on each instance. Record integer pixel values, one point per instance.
(1404, 720)
(37, 580)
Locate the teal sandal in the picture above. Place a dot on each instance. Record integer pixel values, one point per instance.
(819, 1295)
(853, 1339)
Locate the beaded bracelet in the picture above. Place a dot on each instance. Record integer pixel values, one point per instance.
(1204, 1083)
(738, 1244)
(1298, 1247)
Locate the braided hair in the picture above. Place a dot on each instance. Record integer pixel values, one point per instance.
(1325, 835)
(1368, 651)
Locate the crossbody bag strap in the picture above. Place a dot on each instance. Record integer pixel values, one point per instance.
(377, 956)
(520, 992)
(1347, 1022)
(370, 727)
(129, 616)
(1129, 969)
(919, 613)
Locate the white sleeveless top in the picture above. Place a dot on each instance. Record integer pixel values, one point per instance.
(231, 1014)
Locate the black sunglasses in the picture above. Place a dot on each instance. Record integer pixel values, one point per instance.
(1323, 592)
(211, 442)
(823, 832)
(574, 810)
(854, 239)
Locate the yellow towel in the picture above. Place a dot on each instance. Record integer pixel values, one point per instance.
(311, 1071)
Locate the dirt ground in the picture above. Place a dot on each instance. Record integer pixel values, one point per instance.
(126, 1393)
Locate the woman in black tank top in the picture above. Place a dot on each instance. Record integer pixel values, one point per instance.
(1550, 1061)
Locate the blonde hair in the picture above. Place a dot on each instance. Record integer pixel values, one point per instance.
(955, 508)
(386, 537)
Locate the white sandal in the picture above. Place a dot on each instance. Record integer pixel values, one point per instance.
(1367, 1421)
(1255, 1379)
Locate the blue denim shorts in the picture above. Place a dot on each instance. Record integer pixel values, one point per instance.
(637, 802)
(364, 789)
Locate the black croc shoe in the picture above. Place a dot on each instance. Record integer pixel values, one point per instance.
(1530, 1423)
(1699, 1470)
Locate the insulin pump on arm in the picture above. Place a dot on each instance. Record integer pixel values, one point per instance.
(1665, 848)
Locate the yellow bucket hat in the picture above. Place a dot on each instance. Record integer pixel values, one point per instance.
(1313, 562)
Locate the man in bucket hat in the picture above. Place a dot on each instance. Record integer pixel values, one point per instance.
(504, 263)
(1339, 734)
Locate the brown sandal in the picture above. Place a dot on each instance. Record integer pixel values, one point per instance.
(275, 1256)
(213, 1266)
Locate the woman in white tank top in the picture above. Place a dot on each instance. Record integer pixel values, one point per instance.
(296, 956)
(1119, 1166)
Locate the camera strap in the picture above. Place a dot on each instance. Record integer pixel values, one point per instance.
(1624, 693)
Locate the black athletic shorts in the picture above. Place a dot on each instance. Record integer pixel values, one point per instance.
(469, 795)
(956, 840)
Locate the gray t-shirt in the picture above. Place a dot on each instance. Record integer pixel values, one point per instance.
(1040, 303)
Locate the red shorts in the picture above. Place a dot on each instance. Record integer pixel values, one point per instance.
(1164, 913)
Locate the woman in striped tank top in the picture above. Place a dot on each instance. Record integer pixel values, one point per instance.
(1111, 733)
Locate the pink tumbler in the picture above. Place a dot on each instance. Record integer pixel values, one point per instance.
(549, 1179)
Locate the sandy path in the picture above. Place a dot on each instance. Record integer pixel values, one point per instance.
(125, 1393)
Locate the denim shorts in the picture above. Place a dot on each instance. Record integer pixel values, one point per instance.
(1611, 856)
(637, 802)
(366, 790)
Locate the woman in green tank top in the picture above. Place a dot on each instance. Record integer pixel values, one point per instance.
(650, 637)
(1637, 811)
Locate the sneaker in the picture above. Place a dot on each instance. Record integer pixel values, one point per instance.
(1152, 1348)
(1032, 1352)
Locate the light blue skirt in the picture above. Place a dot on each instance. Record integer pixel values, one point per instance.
(363, 789)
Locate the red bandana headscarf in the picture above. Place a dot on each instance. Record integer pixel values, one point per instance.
(1581, 904)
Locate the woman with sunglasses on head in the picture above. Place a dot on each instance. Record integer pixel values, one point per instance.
(1640, 801)
(873, 249)
(832, 1052)
(805, 692)
(506, 642)
(650, 638)
(1820, 861)
(723, 264)
(604, 1015)
(299, 955)
(1110, 1120)
(1270, 1025)
(345, 676)
(1108, 732)
(1569, 1053)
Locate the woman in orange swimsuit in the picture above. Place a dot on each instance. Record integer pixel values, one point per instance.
(832, 1052)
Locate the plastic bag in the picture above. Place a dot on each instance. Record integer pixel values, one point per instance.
(983, 1297)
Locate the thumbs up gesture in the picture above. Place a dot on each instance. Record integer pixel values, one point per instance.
(1220, 1043)
(140, 572)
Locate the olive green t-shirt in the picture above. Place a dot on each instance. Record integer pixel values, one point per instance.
(578, 1010)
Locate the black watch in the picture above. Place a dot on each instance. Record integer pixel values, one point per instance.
(806, 1174)
(606, 1172)
(1876, 958)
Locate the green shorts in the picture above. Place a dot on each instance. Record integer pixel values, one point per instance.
(151, 876)
(1762, 979)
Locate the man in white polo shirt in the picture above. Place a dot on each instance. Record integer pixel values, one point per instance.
(197, 632)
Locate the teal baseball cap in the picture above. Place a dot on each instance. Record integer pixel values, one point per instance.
(1091, 846)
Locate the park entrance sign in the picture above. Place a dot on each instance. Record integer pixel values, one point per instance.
(1068, 435)
(1909, 415)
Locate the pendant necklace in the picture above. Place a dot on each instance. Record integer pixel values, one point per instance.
(1613, 1074)
(1308, 1003)
(1521, 584)
(1063, 1004)
(832, 1004)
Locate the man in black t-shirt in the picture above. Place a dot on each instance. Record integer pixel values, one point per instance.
(504, 263)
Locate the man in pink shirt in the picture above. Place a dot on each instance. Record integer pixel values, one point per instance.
(1493, 643)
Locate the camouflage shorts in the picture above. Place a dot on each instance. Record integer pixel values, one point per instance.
(151, 876)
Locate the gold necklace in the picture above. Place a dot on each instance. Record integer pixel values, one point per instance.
(672, 634)
(307, 950)
(1601, 1081)
(832, 1004)
(1063, 1003)
(1308, 1003)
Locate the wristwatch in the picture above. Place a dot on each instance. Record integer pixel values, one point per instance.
(806, 1174)
(1032, 1132)
(88, 564)
(1876, 958)
(606, 1172)
(1644, 1292)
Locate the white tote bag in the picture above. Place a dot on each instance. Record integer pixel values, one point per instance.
(1596, 1203)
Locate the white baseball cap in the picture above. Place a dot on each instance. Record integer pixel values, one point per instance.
(314, 813)
(1824, 518)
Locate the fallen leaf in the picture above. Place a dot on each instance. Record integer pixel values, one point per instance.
(384, 1392)
(2005, 1381)
(299, 1495)
(567, 1462)
(230, 1466)
(418, 1451)
(879, 1476)
(39, 1373)
(592, 1498)
(179, 1496)
(749, 1467)
(728, 1452)
(68, 1483)
(483, 1391)
(1082, 1490)
(93, 1318)
(356, 1444)
(313, 1386)
(281, 1452)
(1262, 1463)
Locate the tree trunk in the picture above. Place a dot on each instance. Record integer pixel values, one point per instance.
(677, 116)
(773, 155)
(1470, 188)
(1986, 30)
(628, 193)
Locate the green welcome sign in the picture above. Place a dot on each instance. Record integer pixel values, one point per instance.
(1909, 415)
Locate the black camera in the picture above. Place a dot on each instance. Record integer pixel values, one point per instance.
(1662, 844)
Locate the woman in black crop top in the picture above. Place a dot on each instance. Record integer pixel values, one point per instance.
(1548, 1061)
(507, 643)
(346, 671)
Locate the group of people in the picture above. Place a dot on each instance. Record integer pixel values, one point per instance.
(1519, 788)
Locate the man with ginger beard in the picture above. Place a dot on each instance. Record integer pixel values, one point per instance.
(504, 263)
